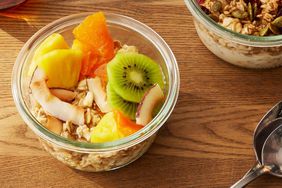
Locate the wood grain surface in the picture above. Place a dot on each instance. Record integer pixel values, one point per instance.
(207, 141)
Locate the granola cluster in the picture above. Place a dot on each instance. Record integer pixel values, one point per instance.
(251, 17)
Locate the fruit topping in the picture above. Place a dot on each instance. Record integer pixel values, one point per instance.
(106, 130)
(90, 59)
(132, 74)
(53, 42)
(96, 42)
(116, 102)
(94, 32)
(61, 67)
(149, 101)
(125, 125)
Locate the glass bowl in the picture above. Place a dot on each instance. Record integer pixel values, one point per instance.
(5, 4)
(238, 49)
(109, 155)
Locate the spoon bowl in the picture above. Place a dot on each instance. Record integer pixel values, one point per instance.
(272, 151)
(260, 135)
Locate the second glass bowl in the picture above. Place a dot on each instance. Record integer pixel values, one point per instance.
(238, 49)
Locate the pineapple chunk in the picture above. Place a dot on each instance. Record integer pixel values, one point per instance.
(61, 67)
(54, 41)
(106, 130)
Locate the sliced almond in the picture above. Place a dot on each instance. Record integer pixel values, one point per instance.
(54, 125)
(63, 94)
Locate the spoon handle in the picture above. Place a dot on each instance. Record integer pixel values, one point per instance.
(254, 168)
(255, 172)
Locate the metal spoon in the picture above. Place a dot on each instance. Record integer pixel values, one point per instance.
(260, 136)
(270, 150)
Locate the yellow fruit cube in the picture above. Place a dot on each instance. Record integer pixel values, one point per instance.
(106, 130)
(62, 67)
(54, 41)
(76, 45)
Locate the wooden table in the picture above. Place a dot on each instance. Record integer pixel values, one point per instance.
(207, 142)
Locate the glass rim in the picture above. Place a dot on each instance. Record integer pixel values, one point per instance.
(249, 40)
(141, 135)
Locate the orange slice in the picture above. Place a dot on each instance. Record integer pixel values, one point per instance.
(93, 31)
(125, 125)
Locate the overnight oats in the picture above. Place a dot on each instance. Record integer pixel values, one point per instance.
(98, 97)
(246, 33)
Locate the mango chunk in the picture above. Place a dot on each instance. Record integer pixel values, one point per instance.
(54, 41)
(62, 67)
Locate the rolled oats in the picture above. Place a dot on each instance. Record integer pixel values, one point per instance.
(98, 161)
(83, 132)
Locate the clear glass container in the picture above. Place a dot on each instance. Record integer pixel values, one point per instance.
(238, 49)
(109, 155)
(4, 4)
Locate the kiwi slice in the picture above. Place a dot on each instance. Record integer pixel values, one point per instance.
(116, 102)
(132, 74)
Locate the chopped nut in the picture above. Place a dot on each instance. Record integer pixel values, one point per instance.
(239, 14)
(125, 48)
(238, 27)
(68, 127)
(82, 86)
(88, 99)
(54, 125)
(83, 132)
(217, 6)
(87, 116)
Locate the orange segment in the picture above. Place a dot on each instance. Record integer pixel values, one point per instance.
(93, 31)
(78, 45)
(90, 59)
(125, 125)
(93, 38)
(101, 72)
